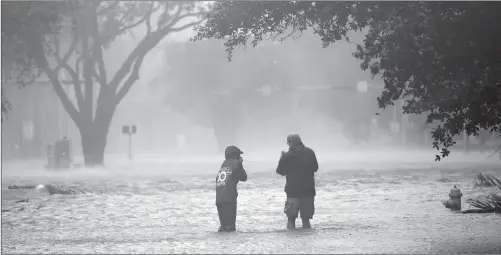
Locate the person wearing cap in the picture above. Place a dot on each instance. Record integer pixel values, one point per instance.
(230, 173)
(298, 165)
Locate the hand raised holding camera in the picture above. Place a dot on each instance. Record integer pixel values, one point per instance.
(282, 154)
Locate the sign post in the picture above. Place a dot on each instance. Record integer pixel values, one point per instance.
(129, 130)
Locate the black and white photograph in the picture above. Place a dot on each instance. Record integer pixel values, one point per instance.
(262, 127)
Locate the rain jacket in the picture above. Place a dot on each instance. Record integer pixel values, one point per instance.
(299, 166)
(228, 176)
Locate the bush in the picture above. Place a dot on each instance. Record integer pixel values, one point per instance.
(489, 203)
(486, 181)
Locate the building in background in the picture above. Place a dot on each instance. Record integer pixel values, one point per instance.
(35, 120)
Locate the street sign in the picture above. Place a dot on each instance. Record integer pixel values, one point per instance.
(129, 130)
(125, 129)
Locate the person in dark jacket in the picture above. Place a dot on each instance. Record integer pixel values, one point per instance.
(299, 166)
(230, 173)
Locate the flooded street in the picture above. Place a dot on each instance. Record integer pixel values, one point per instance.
(159, 94)
(169, 207)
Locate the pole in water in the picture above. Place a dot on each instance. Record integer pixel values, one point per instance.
(130, 146)
(129, 130)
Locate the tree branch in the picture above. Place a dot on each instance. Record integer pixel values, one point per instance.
(76, 82)
(98, 51)
(133, 25)
(67, 55)
(133, 77)
(88, 64)
(111, 5)
(181, 17)
(35, 46)
(78, 87)
(147, 44)
(62, 63)
(164, 16)
(177, 29)
(78, 64)
(119, 31)
(148, 18)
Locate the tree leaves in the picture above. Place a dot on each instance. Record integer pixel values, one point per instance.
(21, 22)
(441, 55)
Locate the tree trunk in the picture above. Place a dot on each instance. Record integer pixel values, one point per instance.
(95, 134)
(94, 139)
(93, 146)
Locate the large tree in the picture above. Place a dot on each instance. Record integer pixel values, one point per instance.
(92, 27)
(440, 57)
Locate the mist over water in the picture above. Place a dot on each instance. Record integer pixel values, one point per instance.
(154, 205)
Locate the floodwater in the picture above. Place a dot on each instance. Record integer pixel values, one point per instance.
(160, 206)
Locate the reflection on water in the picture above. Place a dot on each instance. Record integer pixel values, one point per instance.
(153, 208)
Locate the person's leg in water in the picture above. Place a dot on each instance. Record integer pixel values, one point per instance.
(227, 216)
(306, 223)
(291, 209)
(221, 213)
(291, 223)
(307, 210)
(232, 217)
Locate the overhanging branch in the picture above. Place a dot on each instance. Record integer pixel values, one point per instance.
(187, 15)
(177, 29)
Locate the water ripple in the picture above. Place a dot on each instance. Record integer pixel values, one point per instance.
(355, 212)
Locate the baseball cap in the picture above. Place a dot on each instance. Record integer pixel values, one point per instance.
(232, 150)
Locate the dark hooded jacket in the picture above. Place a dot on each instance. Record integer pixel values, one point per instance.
(230, 173)
(299, 166)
